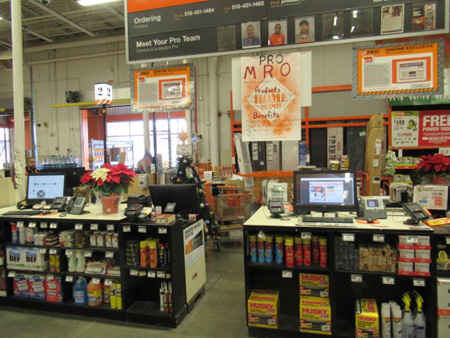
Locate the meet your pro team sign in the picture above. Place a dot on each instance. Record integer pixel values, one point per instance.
(170, 28)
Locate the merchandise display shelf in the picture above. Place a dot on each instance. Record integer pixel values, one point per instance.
(90, 275)
(288, 326)
(344, 328)
(101, 249)
(166, 268)
(275, 266)
(379, 273)
(18, 270)
(442, 273)
(149, 313)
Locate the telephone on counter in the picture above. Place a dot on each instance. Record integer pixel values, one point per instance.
(372, 208)
(75, 206)
(416, 212)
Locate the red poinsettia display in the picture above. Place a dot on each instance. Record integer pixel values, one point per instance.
(438, 163)
(109, 179)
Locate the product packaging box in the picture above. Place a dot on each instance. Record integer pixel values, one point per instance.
(407, 253)
(315, 315)
(314, 285)
(375, 152)
(263, 309)
(20, 285)
(35, 260)
(36, 287)
(443, 296)
(443, 326)
(423, 254)
(422, 268)
(367, 320)
(53, 289)
(15, 257)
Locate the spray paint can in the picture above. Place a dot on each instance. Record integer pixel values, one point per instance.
(298, 251)
(289, 248)
(253, 253)
(269, 249)
(261, 253)
(279, 249)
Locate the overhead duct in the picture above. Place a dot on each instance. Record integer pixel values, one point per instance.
(8, 104)
(6, 59)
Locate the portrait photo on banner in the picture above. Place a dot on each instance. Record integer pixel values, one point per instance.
(251, 34)
(304, 29)
(277, 32)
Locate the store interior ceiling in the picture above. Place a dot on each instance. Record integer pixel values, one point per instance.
(54, 21)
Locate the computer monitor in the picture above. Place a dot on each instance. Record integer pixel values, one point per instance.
(73, 177)
(45, 187)
(325, 191)
(184, 195)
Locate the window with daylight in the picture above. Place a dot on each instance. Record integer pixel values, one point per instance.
(134, 131)
(5, 146)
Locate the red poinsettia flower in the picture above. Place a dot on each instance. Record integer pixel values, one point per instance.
(109, 179)
(439, 163)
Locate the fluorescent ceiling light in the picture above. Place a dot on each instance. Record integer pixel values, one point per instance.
(1, 18)
(353, 28)
(335, 20)
(355, 14)
(94, 2)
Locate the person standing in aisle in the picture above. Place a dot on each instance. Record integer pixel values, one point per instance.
(31, 166)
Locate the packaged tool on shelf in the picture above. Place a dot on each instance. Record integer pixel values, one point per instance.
(315, 315)
(263, 308)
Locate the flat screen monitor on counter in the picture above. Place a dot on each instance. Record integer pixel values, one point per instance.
(185, 197)
(325, 191)
(44, 187)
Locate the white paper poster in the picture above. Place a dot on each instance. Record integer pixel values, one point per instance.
(193, 243)
(271, 100)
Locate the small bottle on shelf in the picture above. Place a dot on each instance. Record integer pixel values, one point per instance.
(269, 249)
(307, 251)
(323, 251)
(315, 249)
(289, 248)
(261, 253)
(253, 249)
(298, 251)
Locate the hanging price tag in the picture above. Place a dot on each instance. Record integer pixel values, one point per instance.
(356, 278)
(126, 228)
(142, 274)
(20, 224)
(88, 254)
(69, 253)
(162, 231)
(69, 279)
(108, 281)
(286, 273)
(12, 274)
(161, 274)
(44, 225)
(96, 280)
(388, 280)
(50, 277)
(348, 237)
(142, 229)
(110, 227)
(53, 225)
(134, 272)
(32, 225)
(306, 235)
(419, 282)
(53, 252)
(412, 240)
(109, 254)
(43, 251)
(94, 227)
(447, 240)
(151, 274)
(79, 226)
(378, 238)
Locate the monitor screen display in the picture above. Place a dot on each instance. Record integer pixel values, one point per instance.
(185, 197)
(45, 187)
(325, 191)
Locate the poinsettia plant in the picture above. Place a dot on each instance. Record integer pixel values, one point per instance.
(109, 179)
(438, 163)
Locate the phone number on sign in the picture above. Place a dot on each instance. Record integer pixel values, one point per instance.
(248, 5)
(199, 12)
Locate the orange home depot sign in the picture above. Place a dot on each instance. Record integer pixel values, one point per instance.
(144, 5)
(271, 97)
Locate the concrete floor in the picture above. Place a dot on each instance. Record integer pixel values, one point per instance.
(219, 313)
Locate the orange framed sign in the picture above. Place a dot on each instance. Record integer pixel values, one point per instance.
(408, 69)
(162, 89)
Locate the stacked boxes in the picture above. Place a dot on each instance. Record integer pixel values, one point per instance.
(366, 321)
(414, 255)
(263, 308)
(37, 286)
(377, 257)
(443, 303)
(315, 311)
(315, 315)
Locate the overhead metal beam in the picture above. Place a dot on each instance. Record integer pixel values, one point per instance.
(63, 18)
(113, 11)
(5, 43)
(29, 31)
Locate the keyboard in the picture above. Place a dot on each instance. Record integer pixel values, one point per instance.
(23, 212)
(310, 219)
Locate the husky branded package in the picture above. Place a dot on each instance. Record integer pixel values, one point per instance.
(366, 321)
(314, 285)
(263, 309)
(315, 315)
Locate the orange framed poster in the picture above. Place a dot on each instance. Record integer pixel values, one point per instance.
(162, 89)
(407, 69)
(270, 97)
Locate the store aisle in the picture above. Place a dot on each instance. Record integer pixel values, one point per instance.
(219, 313)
